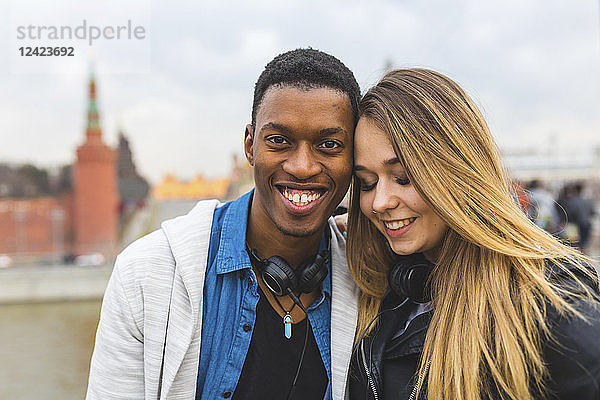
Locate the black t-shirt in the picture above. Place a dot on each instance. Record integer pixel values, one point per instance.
(272, 360)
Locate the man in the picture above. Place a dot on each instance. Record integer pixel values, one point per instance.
(580, 211)
(187, 311)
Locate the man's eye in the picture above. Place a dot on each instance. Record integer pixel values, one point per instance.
(331, 144)
(276, 140)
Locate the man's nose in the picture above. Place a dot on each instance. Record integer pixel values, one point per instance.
(302, 163)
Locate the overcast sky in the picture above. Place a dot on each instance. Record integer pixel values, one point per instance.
(532, 66)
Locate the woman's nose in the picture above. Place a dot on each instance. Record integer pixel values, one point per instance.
(384, 199)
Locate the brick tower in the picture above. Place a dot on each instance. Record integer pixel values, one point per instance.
(95, 178)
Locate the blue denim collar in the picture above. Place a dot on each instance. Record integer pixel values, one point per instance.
(232, 255)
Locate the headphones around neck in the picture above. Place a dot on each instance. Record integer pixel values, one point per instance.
(282, 279)
(408, 277)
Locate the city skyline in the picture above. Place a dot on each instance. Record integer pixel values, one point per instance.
(532, 67)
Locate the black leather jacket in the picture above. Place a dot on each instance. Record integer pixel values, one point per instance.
(384, 364)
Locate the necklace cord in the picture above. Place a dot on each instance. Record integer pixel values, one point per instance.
(297, 302)
(280, 306)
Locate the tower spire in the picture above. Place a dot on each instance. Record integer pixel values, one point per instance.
(93, 131)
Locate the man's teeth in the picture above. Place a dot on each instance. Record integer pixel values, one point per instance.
(300, 197)
(401, 223)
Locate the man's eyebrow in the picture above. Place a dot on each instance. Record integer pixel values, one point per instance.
(276, 127)
(333, 131)
(284, 129)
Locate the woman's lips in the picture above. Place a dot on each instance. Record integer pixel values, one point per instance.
(398, 228)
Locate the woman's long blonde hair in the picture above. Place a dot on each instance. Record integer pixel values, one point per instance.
(490, 286)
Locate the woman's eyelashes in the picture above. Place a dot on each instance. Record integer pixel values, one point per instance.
(402, 181)
(365, 187)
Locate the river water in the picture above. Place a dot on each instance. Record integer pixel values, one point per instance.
(45, 349)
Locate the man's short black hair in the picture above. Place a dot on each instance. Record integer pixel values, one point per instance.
(307, 69)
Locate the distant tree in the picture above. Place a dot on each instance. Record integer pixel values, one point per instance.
(65, 181)
(37, 177)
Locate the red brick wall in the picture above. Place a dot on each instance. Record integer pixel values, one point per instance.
(96, 200)
(36, 227)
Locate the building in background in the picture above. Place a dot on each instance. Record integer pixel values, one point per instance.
(240, 181)
(88, 207)
(95, 188)
(198, 188)
(242, 178)
(556, 167)
(133, 189)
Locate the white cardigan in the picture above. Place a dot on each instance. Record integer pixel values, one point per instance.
(148, 339)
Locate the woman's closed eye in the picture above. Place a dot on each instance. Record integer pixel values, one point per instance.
(402, 180)
(365, 186)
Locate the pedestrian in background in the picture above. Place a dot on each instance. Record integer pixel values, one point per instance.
(542, 209)
(580, 211)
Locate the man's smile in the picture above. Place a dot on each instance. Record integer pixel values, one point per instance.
(300, 200)
(299, 197)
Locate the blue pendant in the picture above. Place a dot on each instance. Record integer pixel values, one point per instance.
(287, 326)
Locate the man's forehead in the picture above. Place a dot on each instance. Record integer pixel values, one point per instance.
(289, 100)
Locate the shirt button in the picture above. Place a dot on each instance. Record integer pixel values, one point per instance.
(226, 394)
(247, 327)
(250, 281)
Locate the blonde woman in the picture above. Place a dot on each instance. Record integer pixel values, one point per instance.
(462, 297)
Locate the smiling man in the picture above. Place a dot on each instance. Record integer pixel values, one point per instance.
(249, 299)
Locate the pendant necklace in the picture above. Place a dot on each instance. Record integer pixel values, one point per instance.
(287, 319)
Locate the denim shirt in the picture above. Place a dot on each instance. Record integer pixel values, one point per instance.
(229, 305)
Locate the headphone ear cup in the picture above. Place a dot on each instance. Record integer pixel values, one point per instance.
(409, 276)
(396, 279)
(416, 283)
(279, 277)
(313, 273)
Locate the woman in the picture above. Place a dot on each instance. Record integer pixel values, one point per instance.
(507, 311)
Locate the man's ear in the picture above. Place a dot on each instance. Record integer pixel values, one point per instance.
(248, 144)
